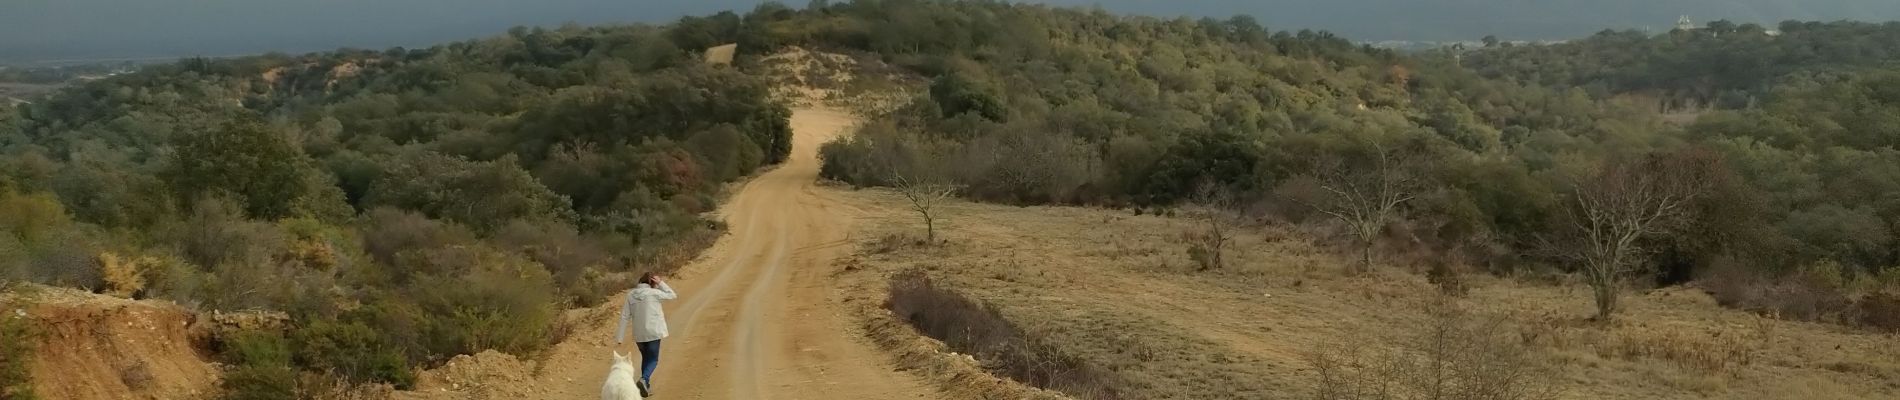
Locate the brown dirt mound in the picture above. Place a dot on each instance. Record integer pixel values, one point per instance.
(721, 54)
(488, 375)
(100, 347)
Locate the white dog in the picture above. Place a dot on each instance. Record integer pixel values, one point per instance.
(620, 380)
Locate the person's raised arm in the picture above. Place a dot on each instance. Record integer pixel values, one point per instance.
(666, 292)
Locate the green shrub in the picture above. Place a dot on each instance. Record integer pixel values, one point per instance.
(470, 299)
(256, 348)
(260, 382)
(32, 218)
(260, 367)
(503, 303)
(13, 260)
(480, 194)
(39, 242)
(353, 350)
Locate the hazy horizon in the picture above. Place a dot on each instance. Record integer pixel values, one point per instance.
(43, 30)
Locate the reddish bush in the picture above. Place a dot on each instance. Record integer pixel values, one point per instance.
(1881, 311)
(973, 328)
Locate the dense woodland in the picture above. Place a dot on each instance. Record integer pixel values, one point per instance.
(1722, 65)
(1805, 117)
(408, 205)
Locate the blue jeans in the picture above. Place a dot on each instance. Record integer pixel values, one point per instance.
(649, 358)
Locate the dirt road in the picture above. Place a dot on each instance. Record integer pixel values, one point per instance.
(755, 318)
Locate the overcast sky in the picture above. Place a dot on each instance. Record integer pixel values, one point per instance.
(37, 30)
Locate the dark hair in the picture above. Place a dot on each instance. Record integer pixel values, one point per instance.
(647, 278)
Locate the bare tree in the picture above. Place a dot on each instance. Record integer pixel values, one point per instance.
(1216, 208)
(924, 196)
(1612, 209)
(1365, 196)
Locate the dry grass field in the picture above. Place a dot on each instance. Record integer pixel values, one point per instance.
(1119, 293)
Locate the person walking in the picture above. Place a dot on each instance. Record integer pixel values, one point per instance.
(642, 313)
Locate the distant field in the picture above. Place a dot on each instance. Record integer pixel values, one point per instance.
(16, 90)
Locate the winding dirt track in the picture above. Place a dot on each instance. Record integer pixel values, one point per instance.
(756, 318)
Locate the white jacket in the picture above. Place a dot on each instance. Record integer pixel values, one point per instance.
(642, 311)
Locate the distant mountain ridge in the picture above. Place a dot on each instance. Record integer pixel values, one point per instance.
(39, 30)
(1455, 20)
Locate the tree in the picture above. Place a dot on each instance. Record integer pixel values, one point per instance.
(244, 158)
(1612, 210)
(957, 94)
(1490, 41)
(1365, 195)
(924, 195)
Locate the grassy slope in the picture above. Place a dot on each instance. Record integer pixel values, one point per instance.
(1118, 290)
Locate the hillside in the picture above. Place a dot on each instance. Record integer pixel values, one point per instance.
(402, 206)
(427, 216)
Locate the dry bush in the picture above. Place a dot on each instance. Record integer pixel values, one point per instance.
(1019, 164)
(311, 245)
(1712, 352)
(892, 242)
(1124, 248)
(972, 328)
(388, 231)
(1215, 212)
(217, 232)
(123, 276)
(1456, 356)
(1207, 245)
(1448, 278)
(1701, 348)
(1817, 292)
(564, 251)
(596, 286)
(333, 387)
